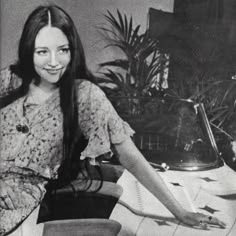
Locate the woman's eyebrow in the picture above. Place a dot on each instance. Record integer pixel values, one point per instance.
(64, 45)
(40, 47)
(45, 47)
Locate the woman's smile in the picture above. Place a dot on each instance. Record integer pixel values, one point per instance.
(53, 71)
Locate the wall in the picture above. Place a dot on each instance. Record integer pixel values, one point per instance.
(87, 15)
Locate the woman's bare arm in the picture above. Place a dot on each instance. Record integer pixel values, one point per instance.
(132, 159)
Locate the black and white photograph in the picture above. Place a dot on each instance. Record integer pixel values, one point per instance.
(117, 118)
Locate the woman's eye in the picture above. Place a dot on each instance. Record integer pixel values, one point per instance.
(64, 50)
(42, 52)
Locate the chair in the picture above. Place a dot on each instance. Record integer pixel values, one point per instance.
(82, 227)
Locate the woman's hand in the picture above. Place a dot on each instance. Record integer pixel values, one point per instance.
(131, 158)
(7, 196)
(201, 220)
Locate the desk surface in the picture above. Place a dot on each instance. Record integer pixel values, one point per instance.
(211, 192)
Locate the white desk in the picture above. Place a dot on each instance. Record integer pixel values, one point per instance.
(203, 189)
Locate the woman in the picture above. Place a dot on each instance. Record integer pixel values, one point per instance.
(50, 105)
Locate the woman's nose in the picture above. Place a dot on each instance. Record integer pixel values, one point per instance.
(53, 60)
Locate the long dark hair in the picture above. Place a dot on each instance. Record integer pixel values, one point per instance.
(77, 68)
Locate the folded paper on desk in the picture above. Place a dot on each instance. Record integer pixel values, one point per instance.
(140, 201)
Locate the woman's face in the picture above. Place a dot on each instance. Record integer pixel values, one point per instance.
(51, 55)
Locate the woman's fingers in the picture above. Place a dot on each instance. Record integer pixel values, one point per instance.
(3, 204)
(7, 202)
(214, 221)
(7, 196)
(203, 225)
(201, 220)
(11, 198)
(210, 220)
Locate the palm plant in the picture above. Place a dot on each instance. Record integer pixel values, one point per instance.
(136, 72)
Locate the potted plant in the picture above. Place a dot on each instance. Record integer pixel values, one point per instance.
(139, 92)
(134, 74)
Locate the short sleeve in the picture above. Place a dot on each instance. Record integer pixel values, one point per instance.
(99, 122)
(8, 81)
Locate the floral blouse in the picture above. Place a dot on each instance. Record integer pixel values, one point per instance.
(37, 150)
